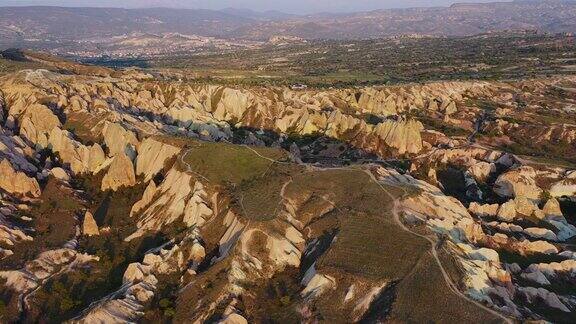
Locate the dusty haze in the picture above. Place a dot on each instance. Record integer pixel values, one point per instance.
(297, 6)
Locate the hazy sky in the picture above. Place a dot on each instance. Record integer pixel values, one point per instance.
(294, 6)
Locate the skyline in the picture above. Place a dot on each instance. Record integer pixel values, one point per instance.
(295, 6)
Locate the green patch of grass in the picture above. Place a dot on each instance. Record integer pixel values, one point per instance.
(371, 246)
(369, 243)
(250, 175)
(560, 154)
(483, 104)
(229, 163)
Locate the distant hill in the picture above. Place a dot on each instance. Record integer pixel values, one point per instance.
(55, 24)
(251, 14)
(456, 20)
(79, 23)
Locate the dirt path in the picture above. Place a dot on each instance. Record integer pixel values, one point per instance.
(265, 157)
(189, 168)
(447, 279)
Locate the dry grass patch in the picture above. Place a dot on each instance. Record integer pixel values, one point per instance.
(424, 297)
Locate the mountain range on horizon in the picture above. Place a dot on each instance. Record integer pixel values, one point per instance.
(52, 25)
(274, 13)
(298, 7)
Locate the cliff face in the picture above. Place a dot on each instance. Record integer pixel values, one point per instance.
(141, 199)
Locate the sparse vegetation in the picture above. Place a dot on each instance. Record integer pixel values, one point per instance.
(365, 225)
(65, 295)
(425, 287)
(344, 63)
(54, 219)
(275, 300)
(81, 124)
(259, 198)
(10, 66)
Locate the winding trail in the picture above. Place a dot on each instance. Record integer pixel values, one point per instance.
(189, 168)
(264, 157)
(447, 279)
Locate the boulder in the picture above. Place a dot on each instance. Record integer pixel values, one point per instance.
(507, 212)
(146, 199)
(60, 174)
(96, 158)
(540, 233)
(482, 170)
(402, 136)
(507, 160)
(233, 319)
(483, 254)
(564, 230)
(534, 295)
(135, 272)
(551, 270)
(552, 209)
(537, 247)
(197, 253)
(528, 210)
(450, 108)
(537, 277)
(141, 293)
(197, 211)
(564, 187)
(37, 122)
(80, 158)
(506, 227)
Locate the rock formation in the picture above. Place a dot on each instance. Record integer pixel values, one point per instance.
(89, 226)
(153, 156)
(222, 246)
(17, 183)
(119, 174)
